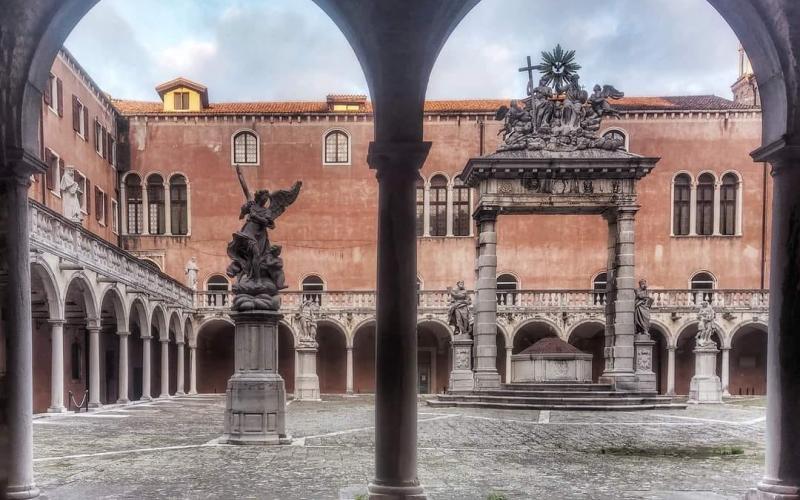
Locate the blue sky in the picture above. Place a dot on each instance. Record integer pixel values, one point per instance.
(290, 50)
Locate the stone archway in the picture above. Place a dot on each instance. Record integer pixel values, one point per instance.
(364, 359)
(331, 358)
(79, 310)
(158, 331)
(684, 358)
(748, 361)
(112, 320)
(138, 327)
(215, 356)
(433, 357)
(589, 337)
(660, 357)
(286, 356)
(47, 324)
(531, 332)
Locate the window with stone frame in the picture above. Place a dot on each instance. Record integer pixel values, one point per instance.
(134, 204)
(681, 205)
(245, 148)
(312, 287)
(420, 222)
(83, 195)
(618, 135)
(337, 147)
(217, 287)
(728, 204)
(155, 204)
(438, 206)
(462, 216)
(507, 286)
(114, 216)
(599, 288)
(178, 203)
(702, 285)
(100, 205)
(705, 205)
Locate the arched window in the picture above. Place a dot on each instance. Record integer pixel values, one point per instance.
(619, 136)
(337, 147)
(133, 202)
(178, 206)
(461, 209)
(599, 287)
(702, 284)
(313, 287)
(245, 148)
(681, 204)
(705, 204)
(507, 286)
(217, 287)
(438, 206)
(728, 204)
(420, 206)
(155, 204)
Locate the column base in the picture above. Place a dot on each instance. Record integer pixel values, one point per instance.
(487, 381)
(619, 381)
(22, 492)
(180, 393)
(255, 410)
(95, 406)
(387, 492)
(57, 409)
(773, 490)
(164, 397)
(145, 399)
(123, 401)
(193, 393)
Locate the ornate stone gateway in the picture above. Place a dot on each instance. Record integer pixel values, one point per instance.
(552, 161)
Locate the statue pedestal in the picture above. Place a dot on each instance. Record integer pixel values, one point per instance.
(705, 386)
(255, 409)
(461, 376)
(645, 376)
(306, 382)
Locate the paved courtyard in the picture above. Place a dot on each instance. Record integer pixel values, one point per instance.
(167, 449)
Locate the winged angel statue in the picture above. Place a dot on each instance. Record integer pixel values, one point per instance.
(255, 263)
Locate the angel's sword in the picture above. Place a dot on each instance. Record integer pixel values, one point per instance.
(243, 183)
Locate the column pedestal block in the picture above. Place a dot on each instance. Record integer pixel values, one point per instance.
(461, 376)
(705, 386)
(381, 492)
(769, 490)
(645, 376)
(255, 409)
(306, 382)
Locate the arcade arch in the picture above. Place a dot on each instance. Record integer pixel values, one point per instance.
(331, 357)
(532, 331)
(364, 358)
(215, 355)
(433, 356)
(684, 357)
(748, 360)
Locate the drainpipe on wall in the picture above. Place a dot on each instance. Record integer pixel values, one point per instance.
(481, 136)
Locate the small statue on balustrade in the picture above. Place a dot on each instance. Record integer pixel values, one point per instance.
(71, 193)
(706, 327)
(642, 307)
(307, 318)
(191, 273)
(255, 263)
(459, 315)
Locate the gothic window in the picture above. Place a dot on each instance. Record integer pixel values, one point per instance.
(728, 204)
(420, 207)
(705, 204)
(599, 286)
(681, 210)
(313, 287)
(461, 209)
(133, 195)
(702, 284)
(438, 206)
(179, 215)
(507, 286)
(618, 135)
(217, 287)
(337, 147)
(155, 204)
(245, 148)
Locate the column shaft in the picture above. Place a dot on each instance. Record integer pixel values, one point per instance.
(180, 369)
(94, 367)
(508, 365)
(693, 210)
(57, 367)
(192, 369)
(164, 369)
(671, 371)
(167, 211)
(146, 396)
(19, 357)
(726, 371)
(715, 229)
(122, 396)
(485, 334)
(349, 389)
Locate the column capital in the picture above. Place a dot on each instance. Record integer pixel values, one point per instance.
(21, 164)
(57, 322)
(486, 214)
(672, 348)
(93, 328)
(123, 333)
(779, 153)
(397, 156)
(627, 211)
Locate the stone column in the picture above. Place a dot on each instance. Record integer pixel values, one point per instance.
(715, 229)
(692, 209)
(426, 209)
(782, 472)
(167, 211)
(306, 381)
(705, 386)
(94, 366)
(508, 365)
(123, 367)
(255, 408)
(726, 370)
(396, 321)
(146, 382)
(145, 209)
(57, 367)
(449, 208)
(180, 369)
(461, 376)
(611, 270)
(349, 388)
(123, 209)
(485, 334)
(19, 356)
(192, 369)
(164, 369)
(671, 371)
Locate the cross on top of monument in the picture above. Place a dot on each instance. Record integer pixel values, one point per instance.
(529, 68)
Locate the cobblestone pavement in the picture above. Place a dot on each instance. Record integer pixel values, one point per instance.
(166, 449)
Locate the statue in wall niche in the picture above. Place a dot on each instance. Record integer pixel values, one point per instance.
(706, 328)
(256, 263)
(642, 305)
(459, 315)
(191, 273)
(70, 195)
(307, 317)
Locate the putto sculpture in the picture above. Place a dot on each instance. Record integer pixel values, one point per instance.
(558, 114)
(706, 328)
(255, 263)
(459, 315)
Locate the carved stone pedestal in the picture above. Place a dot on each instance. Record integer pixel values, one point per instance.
(461, 377)
(645, 376)
(705, 386)
(255, 409)
(306, 382)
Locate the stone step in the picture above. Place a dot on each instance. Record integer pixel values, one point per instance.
(557, 407)
(556, 400)
(565, 394)
(556, 386)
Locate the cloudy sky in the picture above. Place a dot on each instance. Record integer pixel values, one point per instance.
(290, 50)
